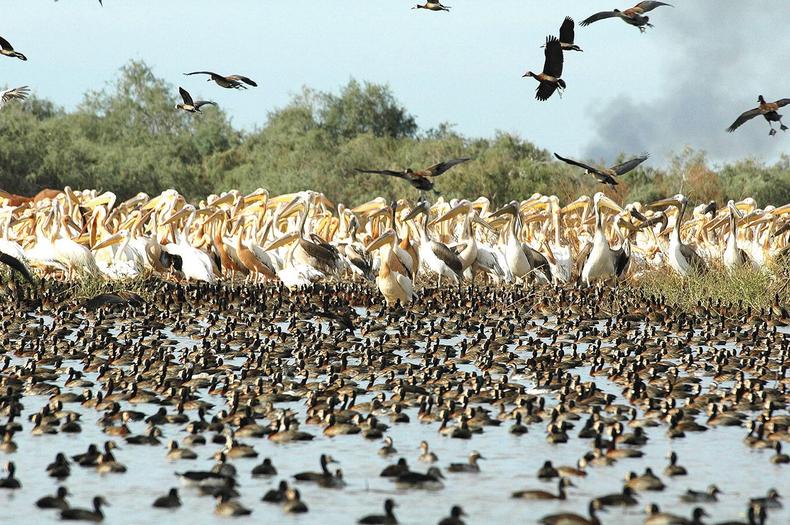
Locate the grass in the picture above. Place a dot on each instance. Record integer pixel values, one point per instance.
(755, 288)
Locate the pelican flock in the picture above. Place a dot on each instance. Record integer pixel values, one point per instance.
(303, 238)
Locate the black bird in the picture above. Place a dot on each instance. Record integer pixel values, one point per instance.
(633, 16)
(549, 79)
(420, 179)
(6, 49)
(228, 82)
(567, 35)
(189, 105)
(607, 175)
(769, 110)
(388, 518)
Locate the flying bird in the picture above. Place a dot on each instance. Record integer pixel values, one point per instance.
(607, 175)
(432, 6)
(549, 79)
(767, 110)
(7, 49)
(189, 105)
(19, 93)
(633, 16)
(567, 35)
(420, 179)
(229, 82)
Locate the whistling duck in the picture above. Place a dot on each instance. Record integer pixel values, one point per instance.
(6, 49)
(190, 105)
(549, 79)
(607, 175)
(768, 110)
(567, 35)
(633, 16)
(228, 82)
(431, 5)
(420, 179)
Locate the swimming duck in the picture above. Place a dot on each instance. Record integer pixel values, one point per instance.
(10, 482)
(293, 502)
(95, 515)
(266, 468)
(568, 518)
(58, 501)
(544, 495)
(455, 516)
(316, 476)
(169, 501)
(470, 466)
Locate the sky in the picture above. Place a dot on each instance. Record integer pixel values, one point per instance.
(679, 84)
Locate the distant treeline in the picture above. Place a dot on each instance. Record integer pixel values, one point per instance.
(130, 139)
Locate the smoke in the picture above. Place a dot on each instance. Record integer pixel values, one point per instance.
(719, 56)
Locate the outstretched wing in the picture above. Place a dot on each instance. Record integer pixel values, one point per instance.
(203, 73)
(782, 102)
(185, 96)
(5, 44)
(648, 5)
(200, 103)
(103, 299)
(553, 64)
(244, 79)
(390, 173)
(19, 93)
(441, 167)
(577, 163)
(545, 90)
(566, 31)
(628, 165)
(745, 116)
(603, 15)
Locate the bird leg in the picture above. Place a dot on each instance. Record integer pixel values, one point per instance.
(773, 131)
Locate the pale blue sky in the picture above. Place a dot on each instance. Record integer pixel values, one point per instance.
(680, 83)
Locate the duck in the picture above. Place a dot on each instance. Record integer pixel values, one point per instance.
(545, 495)
(769, 110)
(470, 466)
(189, 105)
(568, 518)
(168, 501)
(387, 449)
(388, 518)
(656, 517)
(58, 501)
(673, 469)
(230, 507)
(426, 455)
(10, 482)
(455, 516)
(7, 50)
(395, 470)
(175, 452)
(228, 82)
(432, 5)
(698, 496)
(276, 495)
(265, 469)
(625, 498)
(293, 502)
(429, 480)
(95, 515)
(316, 476)
(549, 79)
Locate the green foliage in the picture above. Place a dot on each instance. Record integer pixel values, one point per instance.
(129, 138)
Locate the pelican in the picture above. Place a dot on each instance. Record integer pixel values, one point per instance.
(314, 252)
(395, 286)
(435, 255)
(521, 258)
(602, 262)
(681, 257)
(195, 263)
(734, 256)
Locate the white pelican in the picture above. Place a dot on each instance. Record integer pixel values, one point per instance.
(602, 262)
(195, 263)
(734, 256)
(435, 255)
(396, 287)
(681, 257)
(521, 258)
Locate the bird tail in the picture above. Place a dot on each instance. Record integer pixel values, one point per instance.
(782, 127)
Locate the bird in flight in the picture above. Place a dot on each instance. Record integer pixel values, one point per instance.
(567, 35)
(549, 79)
(634, 16)
(6, 49)
(607, 175)
(769, 110)
(19, 93)
(229, 82)
(420, 179)
(432, 6)
(189, 105)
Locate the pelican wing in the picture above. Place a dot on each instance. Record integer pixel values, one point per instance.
(19, 93)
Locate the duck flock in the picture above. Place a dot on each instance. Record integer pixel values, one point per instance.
(435, 362)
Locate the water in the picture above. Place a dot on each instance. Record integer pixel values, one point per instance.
(716, 456)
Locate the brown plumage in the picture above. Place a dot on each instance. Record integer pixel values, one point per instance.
(632, 16)
(549, 78)
(190, 105)
(607, 175)
(228, 82)
(420, 179)
(769, 110)
(6, 49)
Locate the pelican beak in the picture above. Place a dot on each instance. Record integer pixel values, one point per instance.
(511, 209)
(663, 203)
(609, 203)
(154, 202)
(535, 202)
(380, 241)
(109, 241)
(103, 199)
(72, 196)
(177, 216)
(321, 199)
(420, 208)
(464, 207)
(228, 198)
(782, 210)
(581, 202)
(134, 201)
(282, 241)
(294, 205)
(256, 196)
(477, 220)
(370, 207)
